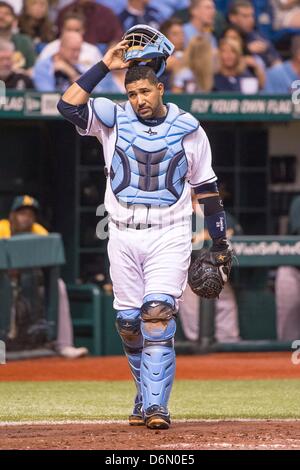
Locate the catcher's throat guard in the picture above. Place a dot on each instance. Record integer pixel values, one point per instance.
(147, 46)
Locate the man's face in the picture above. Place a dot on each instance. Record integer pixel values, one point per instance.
(205, 11)
(244, 19)
(70, 51)
(6, 19)
(22, 220)
(176, 36)
(145, 98)
(6, 64)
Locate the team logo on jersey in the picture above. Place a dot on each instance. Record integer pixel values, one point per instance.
(150, 132)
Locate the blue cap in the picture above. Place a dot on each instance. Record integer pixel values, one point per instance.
(24, 201)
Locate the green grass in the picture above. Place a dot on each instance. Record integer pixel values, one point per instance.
(112, 400)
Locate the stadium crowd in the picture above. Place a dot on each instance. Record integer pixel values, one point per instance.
(223, 46)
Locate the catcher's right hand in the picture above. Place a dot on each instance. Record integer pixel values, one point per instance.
(209, 272)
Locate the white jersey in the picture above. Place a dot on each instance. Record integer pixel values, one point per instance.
(89, 54)
(198, 154)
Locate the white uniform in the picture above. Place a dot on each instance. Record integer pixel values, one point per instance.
(154, 259)
(287, 286)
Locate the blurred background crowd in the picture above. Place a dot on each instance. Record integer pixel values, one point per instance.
(222, 45)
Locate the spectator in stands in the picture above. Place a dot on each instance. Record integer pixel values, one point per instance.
(197, 75)
(253, 61)
(138, 12)
(241, 14)
(287, 287)
(103, 25)
(15, 80)
(219, 19)
(24, 55)
(234, 75)
(23, 219)
(263, 14)
(280, 78)
(233, 32)
(226, 317)
(286, 14)
(202, 16)
(165, 8)
(89, 54)
(58, 71)
(34, 22)
(173, 30)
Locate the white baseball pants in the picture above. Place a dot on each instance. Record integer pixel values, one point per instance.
(147, 261)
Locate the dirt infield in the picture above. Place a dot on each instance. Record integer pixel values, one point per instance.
(269, 365)
(183, 435)
(221, 435)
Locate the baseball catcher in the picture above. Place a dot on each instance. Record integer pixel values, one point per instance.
(154, 153)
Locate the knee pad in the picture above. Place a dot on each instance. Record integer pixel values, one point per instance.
(158, 314)
(128, 324)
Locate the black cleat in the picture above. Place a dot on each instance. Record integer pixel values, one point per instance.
(137, 418)
(157, 417)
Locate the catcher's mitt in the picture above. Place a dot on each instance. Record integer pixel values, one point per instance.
(209, 272)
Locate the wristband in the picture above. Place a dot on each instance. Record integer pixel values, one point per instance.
(90, 79)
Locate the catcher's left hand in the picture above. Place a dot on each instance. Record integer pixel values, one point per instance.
(209, 272)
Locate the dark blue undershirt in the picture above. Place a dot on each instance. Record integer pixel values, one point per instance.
(152, 122)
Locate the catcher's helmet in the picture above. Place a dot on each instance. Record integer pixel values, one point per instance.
(147, 46)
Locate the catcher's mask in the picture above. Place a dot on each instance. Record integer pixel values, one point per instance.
(147, 46)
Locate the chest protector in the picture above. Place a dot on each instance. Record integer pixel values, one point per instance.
(149, 165)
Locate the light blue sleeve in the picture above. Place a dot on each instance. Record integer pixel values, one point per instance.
(276, 81)
(43, 75)
(167, 8)
(116, 5)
